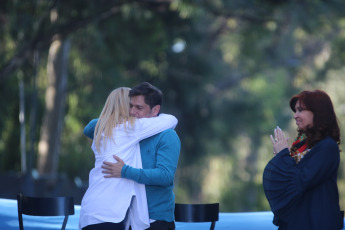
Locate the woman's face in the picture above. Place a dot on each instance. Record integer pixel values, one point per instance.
(303, 117)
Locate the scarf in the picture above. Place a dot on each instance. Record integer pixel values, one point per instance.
(299, 148)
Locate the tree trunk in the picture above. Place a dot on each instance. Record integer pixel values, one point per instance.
(33, 113)
(22, 125)
(49, 144)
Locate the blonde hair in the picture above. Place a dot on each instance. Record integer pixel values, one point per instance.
(115, 112)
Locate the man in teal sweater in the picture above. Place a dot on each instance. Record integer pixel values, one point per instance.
(159, 153)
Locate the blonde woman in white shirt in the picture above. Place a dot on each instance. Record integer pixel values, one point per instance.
(117, 203)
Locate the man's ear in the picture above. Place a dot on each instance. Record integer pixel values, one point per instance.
(156, 109)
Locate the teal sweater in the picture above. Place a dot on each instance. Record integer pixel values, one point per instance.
(159, 154)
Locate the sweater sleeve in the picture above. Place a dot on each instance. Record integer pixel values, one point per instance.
(144, 127)
(90, 128)
(285, 182)
(147, 127)
(166, 163)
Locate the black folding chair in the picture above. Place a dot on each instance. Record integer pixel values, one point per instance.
(197, 213)
(44, 206)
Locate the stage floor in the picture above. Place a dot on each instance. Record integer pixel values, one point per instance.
(227, 221)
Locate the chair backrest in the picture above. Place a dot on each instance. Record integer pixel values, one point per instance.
(44, 206)
(197, 213)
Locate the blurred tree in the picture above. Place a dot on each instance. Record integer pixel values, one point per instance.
(227, 70)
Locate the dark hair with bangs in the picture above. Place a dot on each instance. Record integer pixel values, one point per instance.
(325, 122)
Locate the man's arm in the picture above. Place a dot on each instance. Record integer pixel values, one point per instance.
(90, 128)
(161, 173)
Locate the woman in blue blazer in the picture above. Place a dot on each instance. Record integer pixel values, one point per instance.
(300, 181)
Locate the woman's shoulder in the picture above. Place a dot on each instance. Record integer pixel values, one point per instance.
(328, 142)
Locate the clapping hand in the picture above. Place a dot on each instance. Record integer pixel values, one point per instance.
(279, 141)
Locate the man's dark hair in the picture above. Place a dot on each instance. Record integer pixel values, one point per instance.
(152, 95)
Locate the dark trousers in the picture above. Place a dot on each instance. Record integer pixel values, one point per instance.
(162, 225)
(106, 226)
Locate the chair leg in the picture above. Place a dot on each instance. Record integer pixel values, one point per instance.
(20, 216)
(64, 222)
(213, 225)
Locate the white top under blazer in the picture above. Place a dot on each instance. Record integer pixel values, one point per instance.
(109, 199)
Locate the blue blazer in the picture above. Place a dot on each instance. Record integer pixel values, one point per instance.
(305, 195)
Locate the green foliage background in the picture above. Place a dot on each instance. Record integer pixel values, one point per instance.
(229, 86)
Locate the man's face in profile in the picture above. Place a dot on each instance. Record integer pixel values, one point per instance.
(139, 109)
